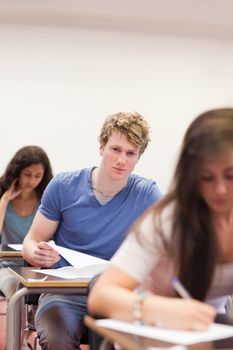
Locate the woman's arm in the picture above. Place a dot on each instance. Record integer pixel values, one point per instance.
(35, 250)
(7, 196)
(113, 296)
(3, 205)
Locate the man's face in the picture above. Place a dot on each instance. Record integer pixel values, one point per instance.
(119, 156)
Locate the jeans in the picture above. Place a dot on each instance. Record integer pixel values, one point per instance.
(59, 321)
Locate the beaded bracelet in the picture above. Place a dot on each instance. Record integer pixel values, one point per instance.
(137, 309)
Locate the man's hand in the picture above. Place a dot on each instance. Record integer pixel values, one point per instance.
(45, 256)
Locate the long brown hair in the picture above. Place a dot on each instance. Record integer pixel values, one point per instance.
(193, 246)
(23, 158)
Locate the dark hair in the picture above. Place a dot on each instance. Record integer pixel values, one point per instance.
(23, 158)
(193, 245)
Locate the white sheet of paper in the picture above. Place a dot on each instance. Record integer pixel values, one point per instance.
(70, 272)
(174, 347)
(16, 246)
(83, 265)
(75, 258)
(215, 331)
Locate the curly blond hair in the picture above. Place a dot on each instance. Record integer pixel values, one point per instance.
(133, 125)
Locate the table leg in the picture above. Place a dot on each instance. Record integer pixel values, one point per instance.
(13, 322)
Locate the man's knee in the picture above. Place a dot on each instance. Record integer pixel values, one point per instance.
(57, 329)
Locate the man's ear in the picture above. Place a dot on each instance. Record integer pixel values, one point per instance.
(101, 150)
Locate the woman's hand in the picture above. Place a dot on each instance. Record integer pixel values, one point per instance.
(186, 314)
(11, 193)
(7, 196)
(45, 256)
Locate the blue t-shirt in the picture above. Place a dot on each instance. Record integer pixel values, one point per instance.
(16, 227)
(86, 225)
(14, 230)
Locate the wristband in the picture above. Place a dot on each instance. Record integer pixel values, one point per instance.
(137, 310)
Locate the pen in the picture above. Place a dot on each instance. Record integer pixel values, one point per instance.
(179, 288)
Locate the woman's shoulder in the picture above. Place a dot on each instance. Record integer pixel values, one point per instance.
(153, 214)
(154, 222)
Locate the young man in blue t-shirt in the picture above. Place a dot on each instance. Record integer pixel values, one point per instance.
(90, 211)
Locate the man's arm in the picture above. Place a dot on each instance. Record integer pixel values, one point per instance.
(35, 250)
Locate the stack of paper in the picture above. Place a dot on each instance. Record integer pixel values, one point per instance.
(83, 265)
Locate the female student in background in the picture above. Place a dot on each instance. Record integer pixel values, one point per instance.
(188, 234)
(21, 188)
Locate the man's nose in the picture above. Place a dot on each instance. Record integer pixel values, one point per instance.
(121, 159)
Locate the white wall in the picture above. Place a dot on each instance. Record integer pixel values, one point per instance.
(58, 83)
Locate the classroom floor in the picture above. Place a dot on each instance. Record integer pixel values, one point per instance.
(3, 329)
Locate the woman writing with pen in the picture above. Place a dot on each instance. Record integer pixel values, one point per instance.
(188, 234)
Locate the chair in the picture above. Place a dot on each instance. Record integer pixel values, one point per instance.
(89, 337)
(31, 302)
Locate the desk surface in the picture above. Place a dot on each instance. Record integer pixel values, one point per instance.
(6, 251)
(23, 274)
(135, 342)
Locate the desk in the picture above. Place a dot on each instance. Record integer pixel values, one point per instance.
(50, 285)
(7, 253)
(135, 342)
